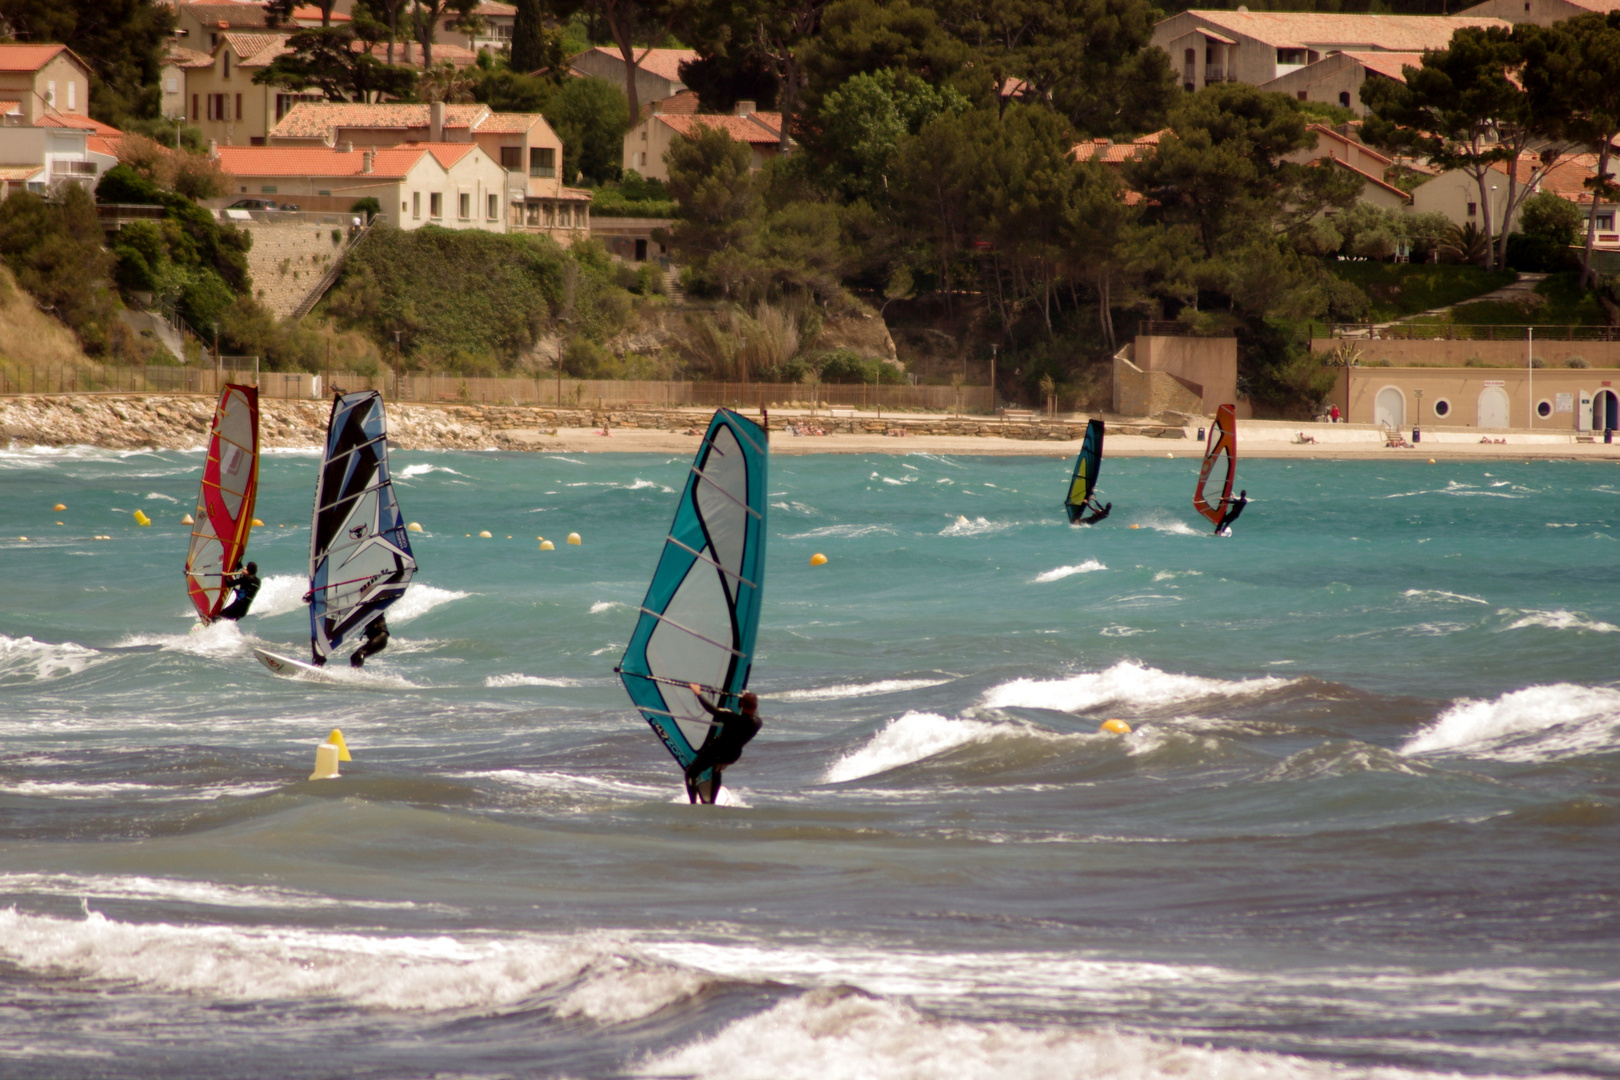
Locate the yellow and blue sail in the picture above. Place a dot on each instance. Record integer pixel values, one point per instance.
(1086, 468)
(360, 557)
(701, 613)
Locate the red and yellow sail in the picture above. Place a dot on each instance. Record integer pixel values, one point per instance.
(1222, 441)
(225, 501)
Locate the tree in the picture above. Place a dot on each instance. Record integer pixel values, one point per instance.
(326, 58)
(123, 41)
(776, 31)
(1572, 73)
(385, 14)
(277, 12)
(1465, 109)
(861, 123)
(633, 23)
(536, 44)
(709, 177)
(425, 18)
(55, 250)
(591, 116)
(861, 36)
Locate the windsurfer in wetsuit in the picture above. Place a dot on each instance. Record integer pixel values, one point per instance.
(725, 744)
(246, 583)
(376, 641)
(1235, 507)
(1098, 511)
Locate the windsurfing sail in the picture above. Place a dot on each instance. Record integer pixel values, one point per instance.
(224, 514)
(359, 551)
(1086, 469)
(701, 613)
(1222, 440)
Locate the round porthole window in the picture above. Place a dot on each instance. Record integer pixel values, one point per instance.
(1442, 407)
(1544, 408)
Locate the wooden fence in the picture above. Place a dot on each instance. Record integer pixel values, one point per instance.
(440, 387)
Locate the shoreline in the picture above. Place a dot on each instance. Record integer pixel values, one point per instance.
(180, 421)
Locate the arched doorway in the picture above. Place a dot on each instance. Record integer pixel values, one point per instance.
(1605, 411)
(1390, 408)
(1493, 407)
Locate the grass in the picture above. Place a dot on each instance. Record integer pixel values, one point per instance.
(31, 338)
(1401, 289)
(1560, 302)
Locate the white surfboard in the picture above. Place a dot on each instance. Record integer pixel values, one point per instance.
(297, 669)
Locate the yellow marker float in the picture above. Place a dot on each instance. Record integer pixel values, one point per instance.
(257, 524)
(547, 545)
(484, 535)
(818, 559)
(413, 527)
(59, 507)
(1114, 727)
(573, 538)
(336, 739)
(188, 520)
(141, 519)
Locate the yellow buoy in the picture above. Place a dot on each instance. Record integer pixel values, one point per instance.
(547, 545)
(336, 739)
(818, 559)
(413, 527)
(59, 506)
(573, 538)
(1114, 727)
(188, 520)
(1136, 526)
(141, 519)
(1169, 455)
(509, 536)
(59, 523)
(1431, 461)
(326, 762)
(257, 524)
(22, 538)
(483, 534)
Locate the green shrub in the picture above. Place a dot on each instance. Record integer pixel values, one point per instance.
(1576, 362)
(849, 366)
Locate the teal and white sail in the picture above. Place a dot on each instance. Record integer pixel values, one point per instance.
(1086, 468)
(701, 613)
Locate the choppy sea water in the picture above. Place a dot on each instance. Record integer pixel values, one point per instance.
(1367, 823)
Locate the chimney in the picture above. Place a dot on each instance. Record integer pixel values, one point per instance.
(345, 147)
(367, 160)
(436, 122)
(213, 148)
(744, 108)
(658, 108)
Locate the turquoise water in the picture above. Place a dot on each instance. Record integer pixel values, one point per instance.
(1365, 824)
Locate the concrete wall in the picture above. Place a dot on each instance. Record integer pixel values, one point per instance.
(1205, 365)
(1454, 354)
(1149, 393)
(1460, 397)
(287, 260)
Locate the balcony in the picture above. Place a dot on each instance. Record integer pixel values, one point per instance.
(1213, 73)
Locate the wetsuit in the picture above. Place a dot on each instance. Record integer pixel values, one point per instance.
(1231, 515)
(723, 747)
(247, 587)
(1097, 513)
(376, 641)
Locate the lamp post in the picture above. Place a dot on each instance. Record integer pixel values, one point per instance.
(397, 335)
(1417, 432)
(993, 349)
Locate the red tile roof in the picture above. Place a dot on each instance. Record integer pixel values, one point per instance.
(79, 123)
(187, 58)
(684, 103)
(664, 63)
(1112, 153)
(1387, 64)
(410, 53)
(247, 45)
(741, 128)
(239, 13)
(446, 154)
(1325, 132)
(389, 163)
(1299, 30)
(28, 57)
(507, 123)
(1567, 178)
(1367, 177)
(20, 172)
(322, 119)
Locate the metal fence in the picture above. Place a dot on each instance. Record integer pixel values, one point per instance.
(469, 389)
(1471, 332)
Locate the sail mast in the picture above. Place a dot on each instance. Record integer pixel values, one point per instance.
(225, 498)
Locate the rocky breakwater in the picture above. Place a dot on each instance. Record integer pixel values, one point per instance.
(181, 421)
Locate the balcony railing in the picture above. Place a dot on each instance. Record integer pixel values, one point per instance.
(543, 172)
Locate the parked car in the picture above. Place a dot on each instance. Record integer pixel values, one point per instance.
(261, 204)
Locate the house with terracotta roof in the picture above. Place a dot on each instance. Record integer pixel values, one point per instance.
(524, 144)
(658, 72)
(1456, 194)
(200, 24)
(1540, 12)
(1338, 150)
(1336, 78)
(646, 144)
(59, 150)
(1257, 47)
(495, 23)
(1115, 154)
(42, 80)
(454, 185)
(178, 63)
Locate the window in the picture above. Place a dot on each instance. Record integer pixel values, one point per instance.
(643, 132)
(216, 107)
(1291, 56)
(225, 63)
(239, 106)
(1605, 222)
(171, 85)
(1344, 98)
(50, 93)
(494, 210)
(416, 205)
(436, 204)
(543, 162)
(644, 159)
(1544, 408)
(512, 158)
(73, 95)
(1473, 208)
(195, 115)
(1442, 407)
(1301, 95)
(464, 206)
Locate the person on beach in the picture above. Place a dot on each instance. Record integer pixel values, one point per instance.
(376, 641)
(1333, 415)
(1235, 507)
(725, 743)
(1098, 512)
(246, 583)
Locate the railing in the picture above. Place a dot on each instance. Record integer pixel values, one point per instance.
(121, 212)
(285, 217)
(313, 297)
(207, 378)
(1471, 332)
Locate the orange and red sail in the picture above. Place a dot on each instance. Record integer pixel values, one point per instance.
(225, 501)
(1222, 441)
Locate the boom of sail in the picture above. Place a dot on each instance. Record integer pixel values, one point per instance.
(1086, 468)
(359, 551)
(225, 499)
(1222, 441)
(701, 613)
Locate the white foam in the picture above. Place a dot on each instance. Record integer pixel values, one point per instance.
(1171, 575)
(1126, 683)
(1171, 526)
(1560, 620)
(913, 737)
(1441, 596)
(159, 495)
(1538, 723)
(420, 599)
(839, 1034)
(644, 485)
(606, 605)
(279, 594)
(855, 690)
(218, 639)
(846, 532)
(424, 469)
(259, 963)
(26, 660)
(1090, 566)
(527, 680)
(210, 893)
(978, 526)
